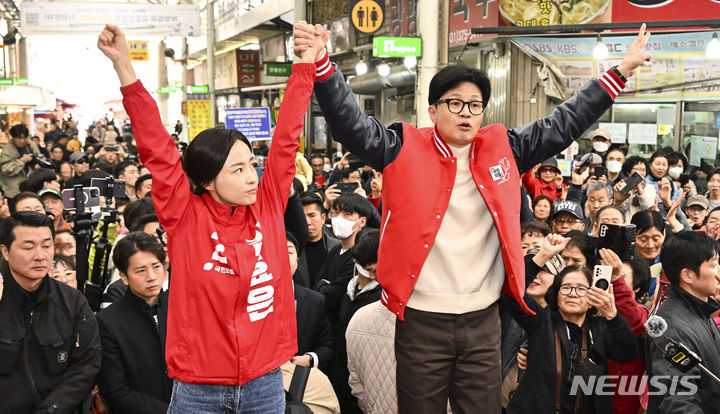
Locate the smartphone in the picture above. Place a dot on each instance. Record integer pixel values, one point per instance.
(92, 198)
(683, 179)
(584, 162)
(111, 148)
(347, 188)
(599, 171)
(602, 275)
(105, 184)
(630, 183)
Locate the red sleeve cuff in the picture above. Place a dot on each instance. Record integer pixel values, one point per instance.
(131, 88)
(323, 68)
(612, 83)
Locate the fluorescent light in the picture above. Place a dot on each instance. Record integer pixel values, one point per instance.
(713, 48)
(600, 51)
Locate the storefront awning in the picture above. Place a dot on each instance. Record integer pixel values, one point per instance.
(680, 68)
(26, 96)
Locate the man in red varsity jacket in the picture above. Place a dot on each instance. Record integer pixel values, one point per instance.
(450, 242)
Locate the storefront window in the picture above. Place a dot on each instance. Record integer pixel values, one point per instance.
(700, 132)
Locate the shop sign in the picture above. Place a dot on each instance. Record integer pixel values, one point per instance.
(254, 123)
(397, 46)
(22, 81)
(679, 69)
(551, 12)
(139, 50)
(198, 89)
(366, 15)
(248, 67)
(663, 10)
(402, 18)
(278, 69)
(199, 113)
(164, 90)
(468, 14)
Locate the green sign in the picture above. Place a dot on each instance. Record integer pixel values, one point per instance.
(175, 88)
(397, 46)
(22, 81)
(6, 81)
(162, 90)
(199, 89)
(278, 69)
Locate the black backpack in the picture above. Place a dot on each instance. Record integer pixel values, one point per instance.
(294, 397)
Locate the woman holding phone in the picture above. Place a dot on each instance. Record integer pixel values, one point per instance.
(231, 319)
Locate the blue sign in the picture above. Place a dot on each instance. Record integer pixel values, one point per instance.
(254, 123)
(717, 121)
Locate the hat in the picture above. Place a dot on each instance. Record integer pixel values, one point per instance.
(50, 191)
(698, 200)
(550, 162)
(594, 159)
(601, 132)
(569, 207)
(76, 156)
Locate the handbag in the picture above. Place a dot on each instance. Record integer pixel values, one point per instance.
(294, 396)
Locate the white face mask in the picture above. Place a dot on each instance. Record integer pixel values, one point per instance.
(342, 227)
(614, 166)
(362, 271)
(674, 172)
(600, 146)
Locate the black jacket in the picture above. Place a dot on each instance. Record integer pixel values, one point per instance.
(303, 276)
(313, 327)
(49, 348)
(134, 377)
(608, 339)
(689, 322)
(338, 269)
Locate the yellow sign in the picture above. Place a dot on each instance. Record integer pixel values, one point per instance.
(199, 117)
(367, 15)
(139, 50)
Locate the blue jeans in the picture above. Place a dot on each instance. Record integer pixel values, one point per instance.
(263, 395)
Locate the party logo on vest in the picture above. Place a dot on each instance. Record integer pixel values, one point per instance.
(501, 172)
(62, 356)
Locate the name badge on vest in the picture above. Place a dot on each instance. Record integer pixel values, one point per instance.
(501, 172)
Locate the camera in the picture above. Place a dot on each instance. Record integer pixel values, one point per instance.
(619, 239)
(91, 198)
(39, 162)
(109, 187)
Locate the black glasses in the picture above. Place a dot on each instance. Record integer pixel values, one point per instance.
(82, 161)
(581, 291)
(566, 220)
(456, 106)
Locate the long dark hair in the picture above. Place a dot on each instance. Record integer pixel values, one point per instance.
(207, 153)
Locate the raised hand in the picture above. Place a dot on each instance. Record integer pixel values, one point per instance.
(111, 41)
(609, 258)
(552, 244)
(309, 41)
(635, 55)
(603, 301)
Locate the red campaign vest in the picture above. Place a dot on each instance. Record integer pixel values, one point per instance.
(417, 187)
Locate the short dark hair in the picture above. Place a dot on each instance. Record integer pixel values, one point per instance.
(320, 156)
(292, 239)
(647, 219)
(207, 153)
(366, 247)
(68, 261)
(133, 243)
(659, 154)
(707, 216)
(141, 180)
(551, 296)
(641, 276)
(675, 156)
(715, 171)
(144, 220)
(120, 169)
(632, 161)
(353, 203)
(609, 207)
(38, 178)
(12, 203)
(686, 250)
(23, 218)
(582, 242)
(136, 209)
(311, 198)
(451, 76)
(345, 173)
(19, 131)
(534, 227)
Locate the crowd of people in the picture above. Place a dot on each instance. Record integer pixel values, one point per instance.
(395, 277)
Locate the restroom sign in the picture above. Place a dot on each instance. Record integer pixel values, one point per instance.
(366, 15)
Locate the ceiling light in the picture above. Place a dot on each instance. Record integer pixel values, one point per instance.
(410, 62)
(383, 69)
(361, 68)
(600, 51)
(713, 48)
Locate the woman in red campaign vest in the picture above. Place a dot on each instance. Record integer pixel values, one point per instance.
(231, 316)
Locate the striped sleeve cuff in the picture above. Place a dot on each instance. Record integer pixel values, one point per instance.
(323, 68)
(612, 83)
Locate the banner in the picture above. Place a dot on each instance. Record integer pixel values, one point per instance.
(467, 14)
(552, 12)
(79, 18)
(402, 18)
(198, 111)
(248, 67)
(254, 123)
(680, 68)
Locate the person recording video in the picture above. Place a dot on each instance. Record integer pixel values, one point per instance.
(18, 156)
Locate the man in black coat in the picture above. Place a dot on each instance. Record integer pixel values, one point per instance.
(691, 265)
(314, 334)
(49, 342)
(134, 377)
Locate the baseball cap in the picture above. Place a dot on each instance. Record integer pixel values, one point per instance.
(602, 132)
(698, 200)
(50, 191)
(76, 156)
(569, 207)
